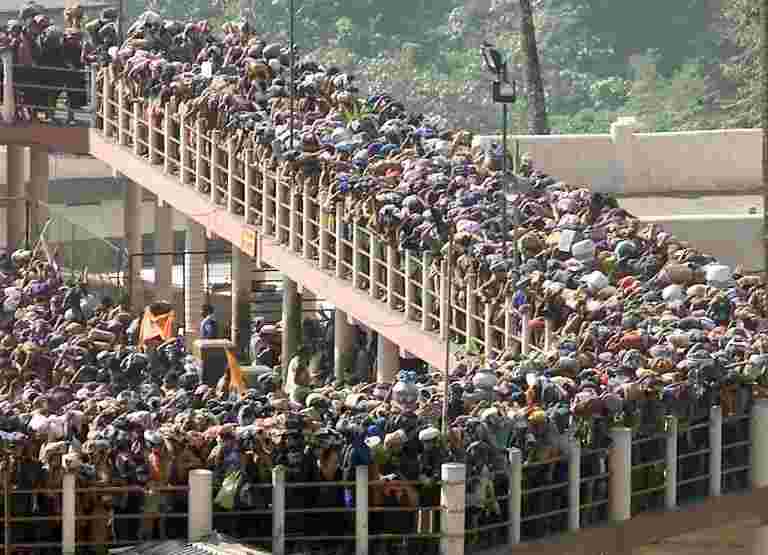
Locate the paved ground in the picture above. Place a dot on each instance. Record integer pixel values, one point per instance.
(693, 204)
(729, 540)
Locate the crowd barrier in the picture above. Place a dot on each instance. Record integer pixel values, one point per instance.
(55, 90)
(667, 470)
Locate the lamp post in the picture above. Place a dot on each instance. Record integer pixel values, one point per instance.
(292, 87)
(503, 92)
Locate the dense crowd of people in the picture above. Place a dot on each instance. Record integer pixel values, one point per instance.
(646, 327)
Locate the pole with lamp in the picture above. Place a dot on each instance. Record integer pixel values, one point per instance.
(504, 92)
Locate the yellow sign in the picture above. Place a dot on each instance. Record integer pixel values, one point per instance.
(248, 242)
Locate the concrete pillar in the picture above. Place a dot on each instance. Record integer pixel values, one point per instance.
(387, 360)
(200, 518)
(163, 244)
(132, 227)
(291, 320)
(622, 135)
(39, 170)
(194, 273)
(242, 277)
(760, 543)
(17, 192)
(343, 344)
(759, 471)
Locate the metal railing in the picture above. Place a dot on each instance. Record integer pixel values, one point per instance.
(60, 94)
(524, 500)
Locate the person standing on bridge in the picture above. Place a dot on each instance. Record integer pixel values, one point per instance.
(209, 327)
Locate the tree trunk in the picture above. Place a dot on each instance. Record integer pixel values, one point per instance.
(534, 86)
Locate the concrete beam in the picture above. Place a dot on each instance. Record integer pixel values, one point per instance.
(72, 140)
(16, 217)
(194, 272)
(163, 244)
(39, 174)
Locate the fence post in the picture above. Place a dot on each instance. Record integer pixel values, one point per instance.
(200, 518)
(340, 248)
(93, 72)
(356, 256)
(324, 221)
(9, 95)
(445, 301)
(361, 510)
(515, 499)
(453, 494)
(471, 311)
(184, 158)
(68, 515)
(266, 203)
(670, 484)
(248, 179)
(393, 268)
(409, 292)
(620, 481)
(488, 330)
(215, 168)
(168, 112)
(278, 510)
(199, 164)
(293, 218)
(137, 135)
(548, 333)
(525, 330)
(574, 485)
(232, 175)
(121, 117)
(373, 264)
(715, 451)
(426, 297)
(306, 221)
(758, 433)
(106, 102)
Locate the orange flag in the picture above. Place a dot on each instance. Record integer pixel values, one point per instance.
(156, 327)
(236, 381)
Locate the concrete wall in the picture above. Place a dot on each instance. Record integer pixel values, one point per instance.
(733, 239)
(634, 163)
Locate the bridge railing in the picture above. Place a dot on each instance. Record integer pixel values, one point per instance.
(291, 209)
(61, 94)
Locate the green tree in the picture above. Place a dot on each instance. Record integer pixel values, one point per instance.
(742, 19)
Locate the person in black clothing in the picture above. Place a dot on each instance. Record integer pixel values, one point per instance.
(327, 468)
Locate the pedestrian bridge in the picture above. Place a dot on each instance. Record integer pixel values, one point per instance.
(223, 191)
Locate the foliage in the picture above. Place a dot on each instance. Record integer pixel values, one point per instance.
(596, 55)
(742, 18)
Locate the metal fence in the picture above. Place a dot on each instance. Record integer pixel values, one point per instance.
(523, 500)
(54, 95)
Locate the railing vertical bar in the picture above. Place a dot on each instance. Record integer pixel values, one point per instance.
(361, 510)
(515, 499)
(340, 248)
(426, 301)
(278, 510)
(249, 169)
(670, 484)
(715, 451)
